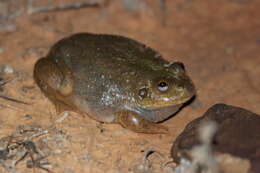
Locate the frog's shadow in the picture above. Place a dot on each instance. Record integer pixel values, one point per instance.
(189, 102)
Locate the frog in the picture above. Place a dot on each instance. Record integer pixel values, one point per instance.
(114, 79)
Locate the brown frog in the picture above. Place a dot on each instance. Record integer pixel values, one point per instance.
(113, 79)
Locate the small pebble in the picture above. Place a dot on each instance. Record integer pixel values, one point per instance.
(7, 69)
(28, 116)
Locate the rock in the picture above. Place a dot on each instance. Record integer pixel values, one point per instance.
(238, 134)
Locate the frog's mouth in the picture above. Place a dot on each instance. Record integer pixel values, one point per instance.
(154, 104)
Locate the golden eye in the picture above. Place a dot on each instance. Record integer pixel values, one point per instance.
(142, 92)
(163, 86)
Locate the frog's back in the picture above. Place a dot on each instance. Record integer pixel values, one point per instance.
(108, 51)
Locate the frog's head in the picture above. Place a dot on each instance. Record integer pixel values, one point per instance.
(169, 86)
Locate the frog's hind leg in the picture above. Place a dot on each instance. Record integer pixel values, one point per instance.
(54, 83)
(136, 123)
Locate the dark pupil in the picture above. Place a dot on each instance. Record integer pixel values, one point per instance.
(162, 84)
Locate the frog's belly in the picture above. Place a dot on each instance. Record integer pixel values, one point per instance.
(107, 114)
(94, 111)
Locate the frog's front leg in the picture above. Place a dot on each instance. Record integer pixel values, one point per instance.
(137, 123)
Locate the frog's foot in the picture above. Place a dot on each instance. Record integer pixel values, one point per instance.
(136, 123)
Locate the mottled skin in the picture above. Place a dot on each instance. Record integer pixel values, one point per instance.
(113, 79)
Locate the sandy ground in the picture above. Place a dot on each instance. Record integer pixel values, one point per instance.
(218, 41)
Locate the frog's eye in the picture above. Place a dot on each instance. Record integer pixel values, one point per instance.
(143, 92)
(163, 86)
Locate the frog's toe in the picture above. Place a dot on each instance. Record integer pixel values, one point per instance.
(136, 123)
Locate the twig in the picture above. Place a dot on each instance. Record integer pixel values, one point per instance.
(14, 100)
(18, 109)
(62, 7)
(2, 83)
(12, 107)
(63, 117)
(44, 132)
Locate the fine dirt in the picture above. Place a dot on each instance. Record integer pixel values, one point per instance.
(218, 41)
